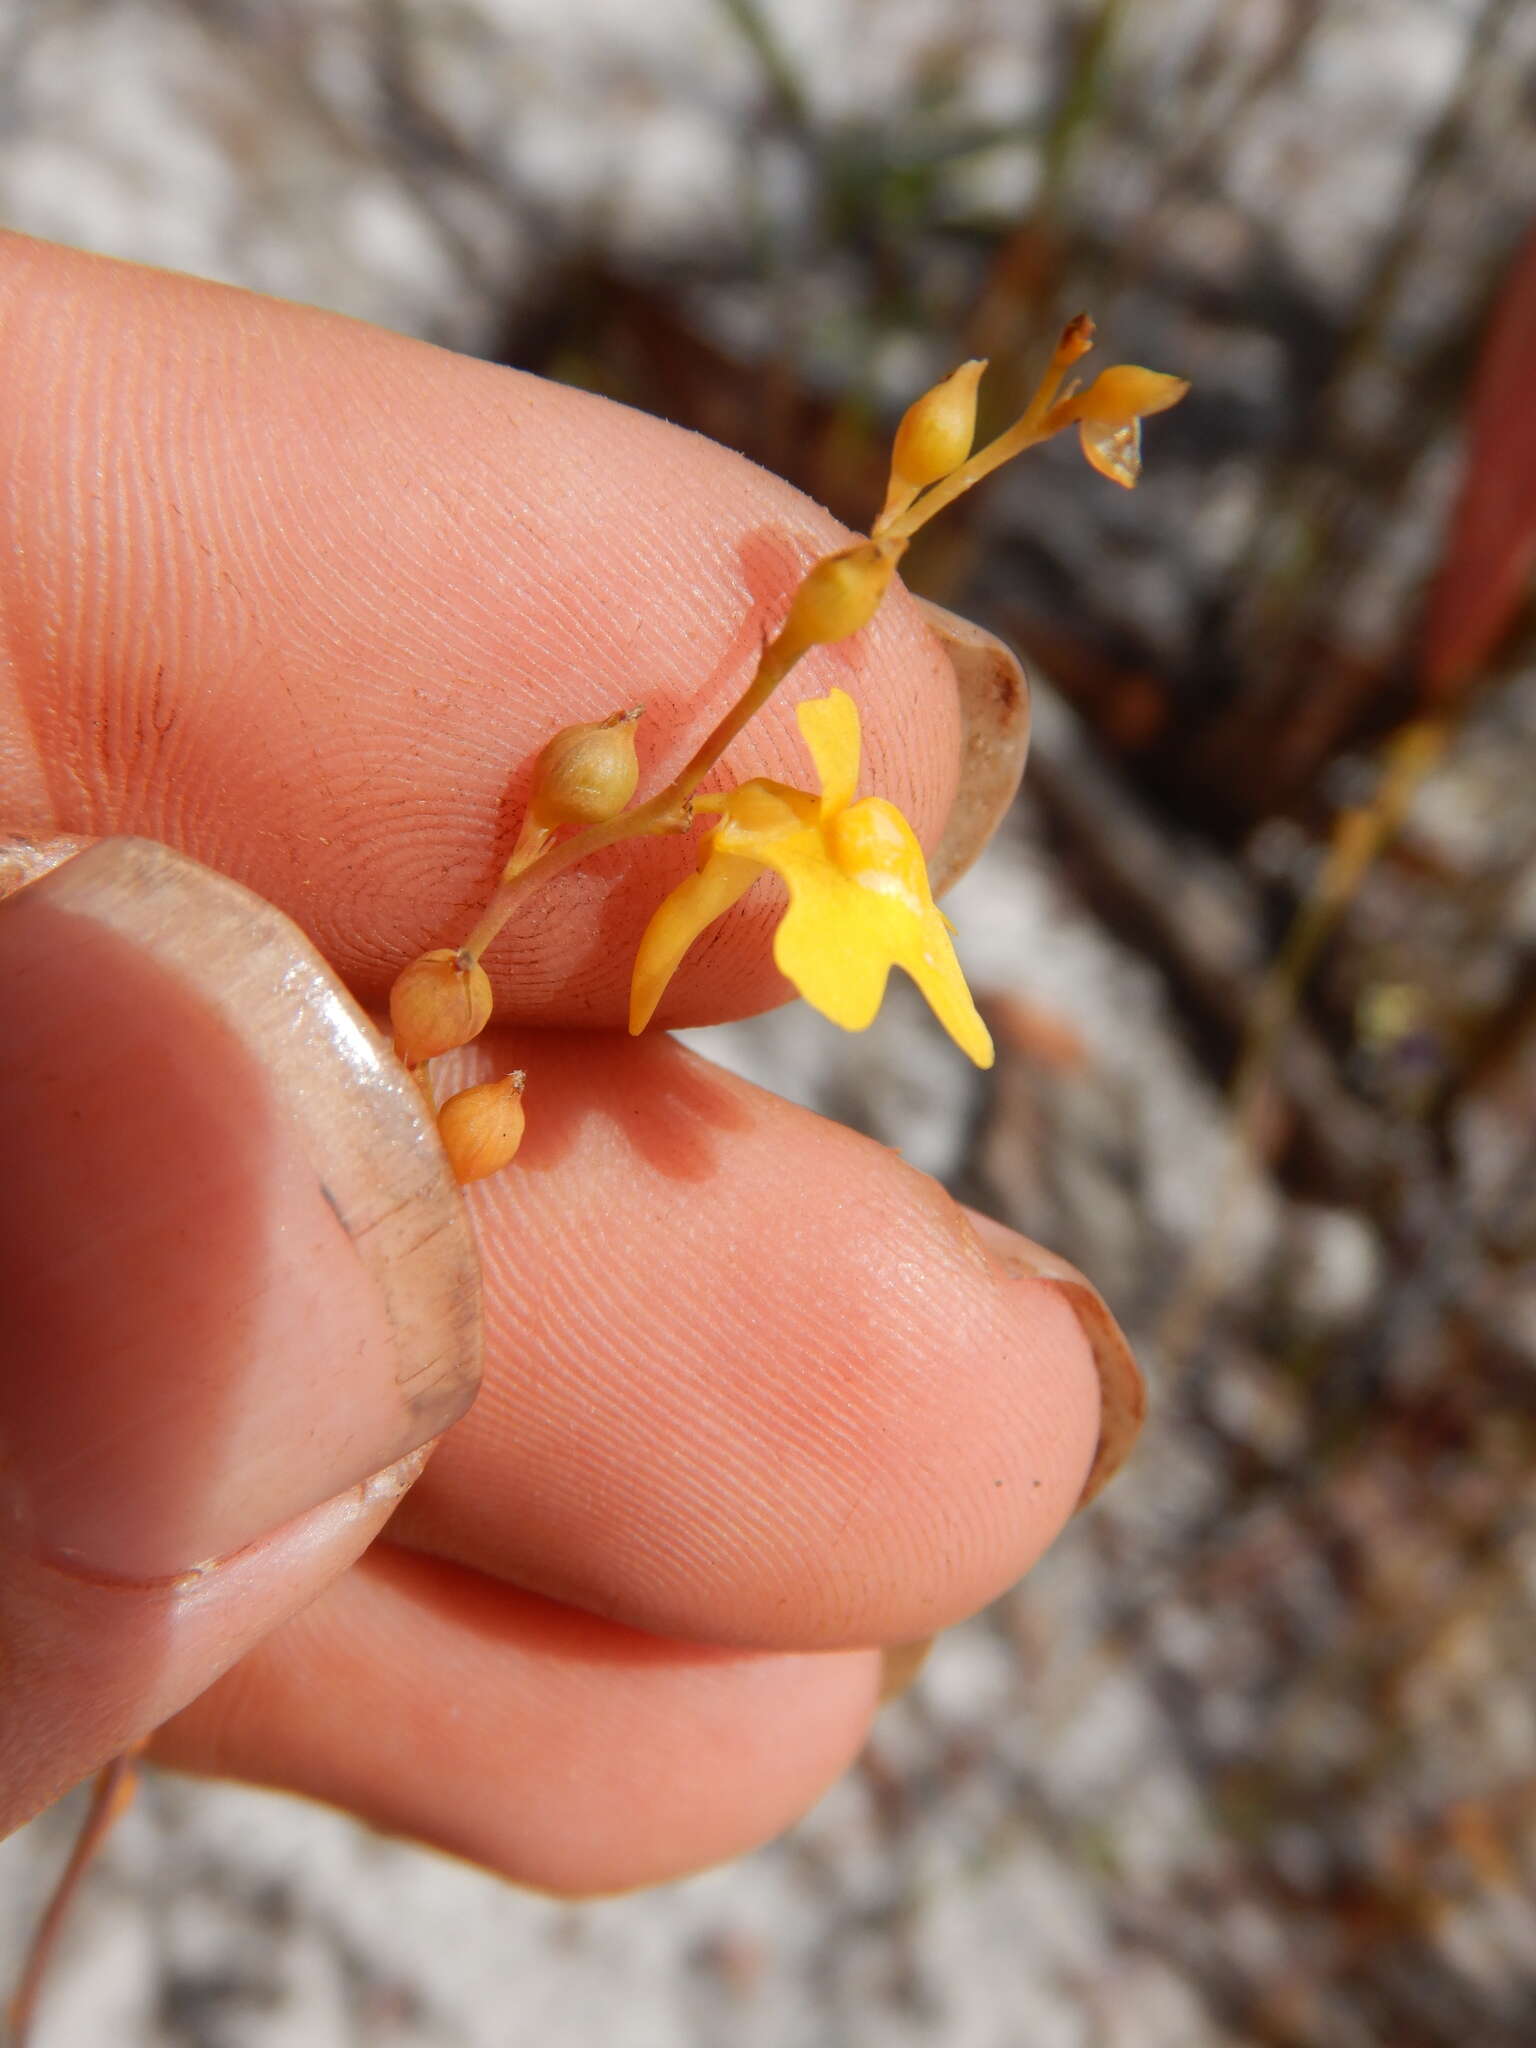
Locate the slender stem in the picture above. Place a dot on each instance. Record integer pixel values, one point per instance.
(667, 811)
(898, 498)
(959, 481)
(531, 841)
(1357, 840)
(111, 1795)
(670, 809)
(647, 818)
(774, 664)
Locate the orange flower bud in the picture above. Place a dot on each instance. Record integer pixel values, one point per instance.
(1074, 341)
(1121, 394)
(937, 430)
(482, 1127)
(586, 773)
(840, 594)
(440, 1000)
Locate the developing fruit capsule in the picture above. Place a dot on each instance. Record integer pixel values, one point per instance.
(840, 593)
(441, 1000)
(586, 773)
(937, 430)
(482, 1127)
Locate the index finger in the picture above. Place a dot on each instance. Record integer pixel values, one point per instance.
(304, 599)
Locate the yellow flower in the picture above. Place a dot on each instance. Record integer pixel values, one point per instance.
(1109, 416)
(859, 900)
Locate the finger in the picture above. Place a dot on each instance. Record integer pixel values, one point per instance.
(305, 599)
(750, 1378)
(234, 1285)
(561, 1750)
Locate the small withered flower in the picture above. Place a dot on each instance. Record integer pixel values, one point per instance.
(937, 430)
(439, 1002)
(840, 593)
(482, 1127)
(587, 773)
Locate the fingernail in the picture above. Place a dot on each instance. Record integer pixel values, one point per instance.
(994, 719)
(900, 1666)
(1122, 1389)
(235, 1276)
(27, 856)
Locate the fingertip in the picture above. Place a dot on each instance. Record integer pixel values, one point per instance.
(565, 1752)
(784, 1398)
(1121, 1405)
(235, 1285)
(218, 1176)
(306, 599)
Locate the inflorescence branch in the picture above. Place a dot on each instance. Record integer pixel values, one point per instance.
(586, 776)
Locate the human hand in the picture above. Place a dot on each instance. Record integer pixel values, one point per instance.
(296, 598)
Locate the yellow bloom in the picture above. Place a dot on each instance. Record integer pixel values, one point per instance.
(859, 900)
(1109, 416)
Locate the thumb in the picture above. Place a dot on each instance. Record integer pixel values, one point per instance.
(237, 1290)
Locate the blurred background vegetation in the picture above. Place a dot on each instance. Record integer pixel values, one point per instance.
(1253, 1757)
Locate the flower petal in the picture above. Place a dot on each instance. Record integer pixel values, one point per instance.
(873, 845)
(1114, 451)
(1125, 392)
(859, 905)
(678, 920)
(834, 943)
(830, 728)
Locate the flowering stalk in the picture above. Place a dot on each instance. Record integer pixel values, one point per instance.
(1031, 427)
(860, 902)
(671, 809)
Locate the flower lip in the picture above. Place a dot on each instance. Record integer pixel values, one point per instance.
(859, 899)
(869, 842)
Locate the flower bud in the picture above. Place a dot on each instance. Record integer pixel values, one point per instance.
(586, 773)
(840, 594)
(1123, 393)
(440, 1000)
(1074, 341)
(482, 1127)
(937, 430)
